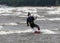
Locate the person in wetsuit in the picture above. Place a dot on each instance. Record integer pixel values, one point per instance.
(30, 21)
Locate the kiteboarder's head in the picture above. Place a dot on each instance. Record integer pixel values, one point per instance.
(29, 13)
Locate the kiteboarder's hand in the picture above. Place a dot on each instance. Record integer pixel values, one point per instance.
(27, 24)
(36, 17)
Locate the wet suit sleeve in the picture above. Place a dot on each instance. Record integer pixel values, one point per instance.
(35, 17)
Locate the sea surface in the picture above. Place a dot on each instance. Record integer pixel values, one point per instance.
(13, 27)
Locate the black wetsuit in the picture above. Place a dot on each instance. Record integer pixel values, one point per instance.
(30, 22)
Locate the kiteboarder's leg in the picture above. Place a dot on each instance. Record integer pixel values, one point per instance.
(37, 26)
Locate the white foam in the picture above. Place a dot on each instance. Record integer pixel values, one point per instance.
(1, 27)
(8, 24)
(27, 9)
(5, 14)
(4, 32)
(44, 31)
(51, 19)
(54, 12)
(23, 22)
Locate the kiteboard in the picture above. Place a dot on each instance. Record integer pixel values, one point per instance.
(36, 31)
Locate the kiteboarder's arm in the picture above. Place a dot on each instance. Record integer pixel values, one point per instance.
(35, 18)
(27, 23)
